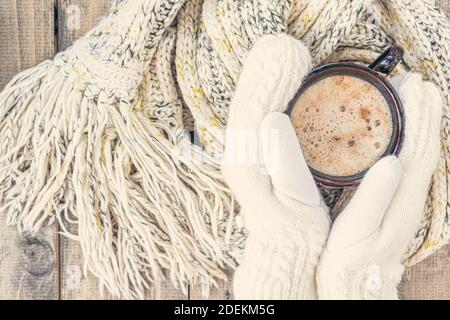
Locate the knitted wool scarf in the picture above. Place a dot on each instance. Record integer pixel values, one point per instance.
(97, 138)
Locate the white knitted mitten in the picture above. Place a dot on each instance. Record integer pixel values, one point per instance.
(363, 255)
(283, 211)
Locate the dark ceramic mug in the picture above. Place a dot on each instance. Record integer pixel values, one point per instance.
(374, 74)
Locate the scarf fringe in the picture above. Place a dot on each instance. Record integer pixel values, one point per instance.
(85, 140)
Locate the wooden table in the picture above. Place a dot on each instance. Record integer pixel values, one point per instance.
(48, 266)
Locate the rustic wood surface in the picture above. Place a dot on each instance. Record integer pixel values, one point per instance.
(48, 266)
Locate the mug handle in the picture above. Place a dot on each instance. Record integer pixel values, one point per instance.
(388, 60)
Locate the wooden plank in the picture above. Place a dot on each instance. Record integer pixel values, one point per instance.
(28, 265)
(27, 35)
(421, 281)
(76, 17)
(427, 280)
(224, 291)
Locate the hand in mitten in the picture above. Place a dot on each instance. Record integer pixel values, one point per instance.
(363, 255)
(283, 212)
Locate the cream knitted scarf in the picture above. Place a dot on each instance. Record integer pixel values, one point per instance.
(98, 137)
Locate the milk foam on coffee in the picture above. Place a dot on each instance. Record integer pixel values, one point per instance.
(344, 125)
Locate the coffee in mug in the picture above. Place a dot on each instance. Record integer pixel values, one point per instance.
(346, 118)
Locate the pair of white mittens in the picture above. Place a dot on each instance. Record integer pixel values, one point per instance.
(292, 251)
